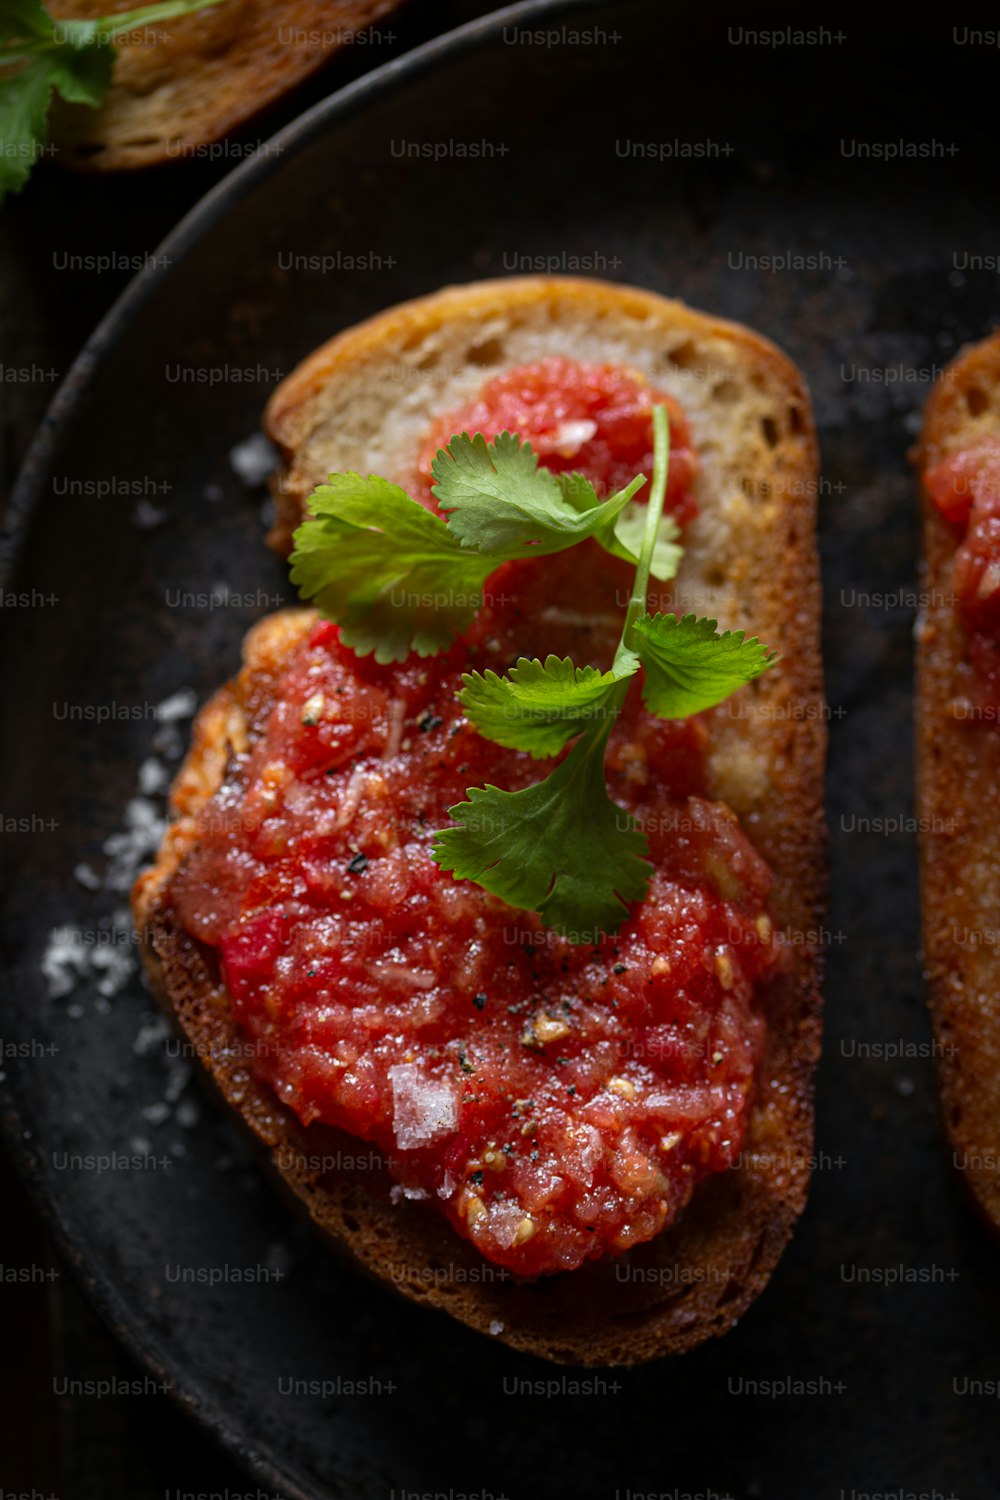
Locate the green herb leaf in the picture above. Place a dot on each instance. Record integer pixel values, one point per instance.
(73, 57)
(397, 578)
(24, 104)
(621, 529)
(388, 571)
(538, 706)
(82, 74)
(501, 503)
(25, 21)
(625, 541)
(561, 848)
(690, 666)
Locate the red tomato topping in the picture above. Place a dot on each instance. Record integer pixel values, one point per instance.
(967, 477)
(593, 418)
(966, 490)
(557, 1101)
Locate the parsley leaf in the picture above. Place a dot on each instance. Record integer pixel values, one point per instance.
(690, 666)
(74, 58)
(501, 502)
(561, 847)
(538, 706)
(388, 571)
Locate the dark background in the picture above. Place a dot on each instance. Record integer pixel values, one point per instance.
(62, 1446)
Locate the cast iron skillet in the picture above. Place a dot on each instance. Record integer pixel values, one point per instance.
(560, 175)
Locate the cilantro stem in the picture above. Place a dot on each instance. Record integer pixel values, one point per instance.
(654, 511)
(102, 29)
(114, 26)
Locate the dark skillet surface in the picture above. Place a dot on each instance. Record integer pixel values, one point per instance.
(890, 1359)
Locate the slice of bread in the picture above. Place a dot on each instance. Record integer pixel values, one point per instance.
(364, 402)
(958, 789)
(179, 85)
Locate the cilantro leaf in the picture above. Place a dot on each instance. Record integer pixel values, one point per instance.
(501, 502)
(82, 74)
(25, 20)
(625, 541)
(24, 104)
(539, 706)
(561, 847)
(388, 571)
(620, 530)
(75, 58)
(397, 578)
(690, 666)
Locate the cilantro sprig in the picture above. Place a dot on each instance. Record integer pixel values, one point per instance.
(40, 54)
(398, 579)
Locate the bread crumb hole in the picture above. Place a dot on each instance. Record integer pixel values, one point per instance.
(727, 391)
(351, 1224)
(769, 428)
(976, 401)
(429, 361)
(795, 421)
(683, 356)
(488, 353)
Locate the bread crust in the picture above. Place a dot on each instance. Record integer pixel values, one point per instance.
(196, 78)
(696, 1278)
(958, 793)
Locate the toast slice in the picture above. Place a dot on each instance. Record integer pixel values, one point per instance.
(958, 788)
(364, 402)
(180, 85)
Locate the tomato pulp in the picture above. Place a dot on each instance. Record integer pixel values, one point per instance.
(557, 1100)
(591, 418)
(966, 490)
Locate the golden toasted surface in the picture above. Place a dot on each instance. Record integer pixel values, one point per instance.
(179, 85)
(958, 791)
(752, 562)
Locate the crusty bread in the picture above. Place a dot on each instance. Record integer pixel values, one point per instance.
(958, 792)
(751, 560)
(179, 85)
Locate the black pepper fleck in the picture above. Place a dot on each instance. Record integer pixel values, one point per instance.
(357, 864)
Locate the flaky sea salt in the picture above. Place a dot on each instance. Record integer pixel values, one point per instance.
(253, 460)
(423, 1109)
